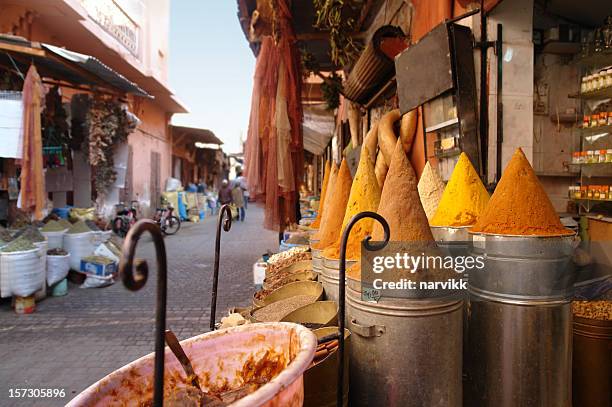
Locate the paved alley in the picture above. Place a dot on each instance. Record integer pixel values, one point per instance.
(72, 341)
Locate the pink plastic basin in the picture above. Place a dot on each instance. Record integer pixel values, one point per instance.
(222, 360)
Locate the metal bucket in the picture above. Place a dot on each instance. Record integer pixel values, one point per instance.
(405, 352)
(316, 315)
(329, 276)
(321, 380)
(592, 362)
(317, 260)
(519, 350)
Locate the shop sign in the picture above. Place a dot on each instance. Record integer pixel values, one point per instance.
(115, 21)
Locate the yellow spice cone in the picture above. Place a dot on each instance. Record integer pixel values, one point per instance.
(401, 207)
(431, 188)
(464, 198)
(338, 195)
(365, 196)
(326, 174)
(519, 205)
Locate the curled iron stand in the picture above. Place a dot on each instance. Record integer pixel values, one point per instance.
(225, 220)
(368, 245)
(134, 274)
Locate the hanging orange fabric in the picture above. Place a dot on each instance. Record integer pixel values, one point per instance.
(274, 148)
(32, 178)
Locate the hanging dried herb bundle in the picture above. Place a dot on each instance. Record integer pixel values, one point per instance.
(109, 126)
(331, 89)
(335, 16)
(54, 120)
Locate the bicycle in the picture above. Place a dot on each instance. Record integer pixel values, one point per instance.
(125, 218)
(167, 221)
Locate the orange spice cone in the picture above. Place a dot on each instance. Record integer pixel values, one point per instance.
(326, 175)
(365, 196)
(337, 198)
(519, 205)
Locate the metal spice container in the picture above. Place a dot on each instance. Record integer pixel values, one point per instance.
(519, 350)
(592, 368)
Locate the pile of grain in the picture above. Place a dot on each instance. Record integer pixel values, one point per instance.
(31, 233)
(280, 309)
(21, 244)
(53, 226)
(79, 227)
(600, 310)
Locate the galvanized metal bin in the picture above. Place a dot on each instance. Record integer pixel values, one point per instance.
(317, 260)
(592, 363)
(321, 380)
(519, 350)
(329, 277)
(404, 352)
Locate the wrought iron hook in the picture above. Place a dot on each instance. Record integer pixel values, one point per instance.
(134, 274)
(225, 219)
(371, 246)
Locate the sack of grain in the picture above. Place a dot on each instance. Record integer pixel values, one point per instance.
(57, 268)
(79, 245)
(22, 272)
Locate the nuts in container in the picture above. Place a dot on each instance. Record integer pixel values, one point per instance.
(287, 258)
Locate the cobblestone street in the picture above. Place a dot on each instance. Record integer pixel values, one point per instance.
(72, 341)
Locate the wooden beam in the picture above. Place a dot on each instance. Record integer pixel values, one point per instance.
(22, 50)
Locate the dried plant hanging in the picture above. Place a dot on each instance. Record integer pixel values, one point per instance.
(109, 126)
(335, 16)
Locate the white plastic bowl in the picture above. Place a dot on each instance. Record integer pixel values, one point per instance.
(218, 358)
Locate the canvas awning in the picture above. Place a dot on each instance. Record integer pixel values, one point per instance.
(17, 54)
(318, 127)
(191, 135)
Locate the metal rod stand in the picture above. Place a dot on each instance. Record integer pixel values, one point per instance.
(225, 220)
(134, 275)
(342, 289)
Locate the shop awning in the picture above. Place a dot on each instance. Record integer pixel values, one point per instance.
(17, 54)
(191, 135)
(318, 128)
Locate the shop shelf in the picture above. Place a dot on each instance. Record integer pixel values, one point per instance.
(591, 164)
(598, 94)
(595, 131)
(442, 125)
(589, 204)
(596, 60)
(561, 47)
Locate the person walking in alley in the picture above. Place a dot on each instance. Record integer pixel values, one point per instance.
(238, 199)
(241, 179)
(225, 193)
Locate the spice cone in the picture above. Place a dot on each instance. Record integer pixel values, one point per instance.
(519, 205)
(464, 198)
(400, 204)
(338, 196)
(326, 175)
(365, 196)
(431, 188)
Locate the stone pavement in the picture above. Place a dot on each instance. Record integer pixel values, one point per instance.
(70, 342)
